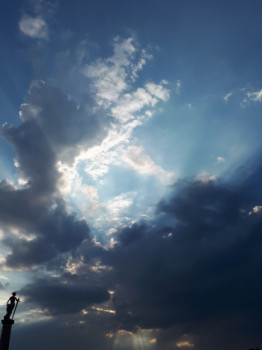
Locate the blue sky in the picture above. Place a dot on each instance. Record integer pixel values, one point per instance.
(130, 153)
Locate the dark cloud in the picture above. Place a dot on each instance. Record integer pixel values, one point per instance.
(56, 232)
(53, 126)
(55, 229)
(196, 267)
(197, 278)
(64, 332)
(63, 297)
(206, 267)
(35, 155)
(27, 253)
(68, 126)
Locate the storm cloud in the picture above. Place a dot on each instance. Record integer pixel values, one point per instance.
(195, 267)
(53, 128)
(64, 297)
(206, 266)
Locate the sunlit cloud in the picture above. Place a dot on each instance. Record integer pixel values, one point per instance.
(143, 164)
(256, 210)
(184, 344)
(73, 265)
(140, 339)
(100, 309)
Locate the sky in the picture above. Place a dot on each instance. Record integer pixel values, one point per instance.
(130, 173)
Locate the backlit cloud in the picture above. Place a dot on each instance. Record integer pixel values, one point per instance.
(143, 164)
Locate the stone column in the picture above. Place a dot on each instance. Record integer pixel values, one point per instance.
(6, 333)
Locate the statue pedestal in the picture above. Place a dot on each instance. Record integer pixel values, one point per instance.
(6, 333)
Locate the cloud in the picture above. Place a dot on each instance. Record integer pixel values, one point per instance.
(53, 127)
(63, 298)
(56, 232)
(68, 127)
(143, 164)
(201, 272)
(113, 75)
(255, 96)
(35, 157)
(131, 103)
(220, 160)
(190, 268)
(184, 344)
(60, 133)
(227, 96)
(256, 210)
(110, 75)
(158, 91)
(35, 27)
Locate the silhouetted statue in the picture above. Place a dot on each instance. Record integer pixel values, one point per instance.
(10, 305)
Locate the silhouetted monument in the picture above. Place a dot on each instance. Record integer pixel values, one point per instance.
(8, 321)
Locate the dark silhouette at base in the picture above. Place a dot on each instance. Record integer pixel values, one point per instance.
(8, 321)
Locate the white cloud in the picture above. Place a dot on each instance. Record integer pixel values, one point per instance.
(220, 160)
(131, 103)
(136, 67)
(97, 159)
(116, 213)
(205, 177)
(158, 91)
(118, 204)
(35, 27)
(144, 165)
(255, 96)
(227, 96)
(111, 76)
(111, 79)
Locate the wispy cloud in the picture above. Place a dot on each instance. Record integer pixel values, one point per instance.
(255, 96)
(227, 96)
(251, 96)
(143, 164)
(35, 27)
(110, 75)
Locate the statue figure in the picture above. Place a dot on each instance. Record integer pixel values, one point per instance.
(10, 305)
